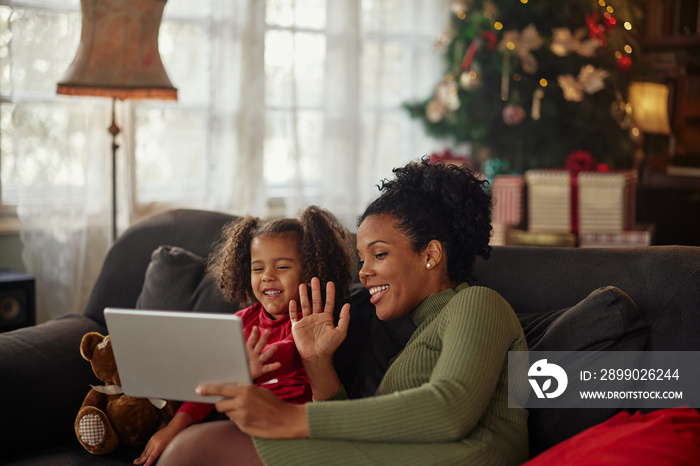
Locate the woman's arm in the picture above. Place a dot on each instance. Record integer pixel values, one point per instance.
(258, 412)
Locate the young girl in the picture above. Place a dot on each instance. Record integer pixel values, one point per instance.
(266, 262)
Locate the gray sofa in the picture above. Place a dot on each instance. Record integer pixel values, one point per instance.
(650, 300)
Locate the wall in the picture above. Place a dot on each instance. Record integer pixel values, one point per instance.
(11, 252)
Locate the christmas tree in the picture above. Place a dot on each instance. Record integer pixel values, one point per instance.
(531, 81)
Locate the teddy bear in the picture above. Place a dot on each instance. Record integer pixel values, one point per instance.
(108, 417)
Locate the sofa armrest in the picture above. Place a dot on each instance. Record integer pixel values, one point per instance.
(43, 381)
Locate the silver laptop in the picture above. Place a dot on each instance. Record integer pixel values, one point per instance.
(166, 354)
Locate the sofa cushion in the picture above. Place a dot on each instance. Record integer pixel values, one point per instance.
(667, 436)
(606, 320)
(176, 279)
(43, 381)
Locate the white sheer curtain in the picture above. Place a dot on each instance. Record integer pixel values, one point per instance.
(281, 103)
(55, 156)
(377, 55)
(65, 215)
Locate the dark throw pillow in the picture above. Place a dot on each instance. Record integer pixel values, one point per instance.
(176, 279)
(606, 320)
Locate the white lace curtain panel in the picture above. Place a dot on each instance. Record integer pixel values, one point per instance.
(281, 104)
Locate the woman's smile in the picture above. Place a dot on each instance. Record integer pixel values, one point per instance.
(377, 292)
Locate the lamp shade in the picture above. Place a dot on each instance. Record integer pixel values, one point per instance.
(650, 107)
(118, 52)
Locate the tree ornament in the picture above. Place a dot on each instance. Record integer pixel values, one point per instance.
(495, 166)
(470, 80)
(446, 94)
(490, 38)
(505, 77)
(470, 54)
(460, 6)
(609, 21)
(513, 115)
(589, 80)
(537, 97)
(445, 39)
(490, 10)
(623, 63)
(595, 30)
(522, 44)
(565, 42)
(491, 41)
(621, 111)
(434, 111)
(570, 87)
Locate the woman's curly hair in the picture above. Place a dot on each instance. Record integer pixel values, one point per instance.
(325, 247)
(445, 202)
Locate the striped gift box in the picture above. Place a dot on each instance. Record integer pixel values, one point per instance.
(507, 194)
(606, 201)
(548, 201)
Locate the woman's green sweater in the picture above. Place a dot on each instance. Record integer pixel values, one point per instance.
(443, 400)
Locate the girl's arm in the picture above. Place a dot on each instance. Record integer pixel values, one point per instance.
(161, 439)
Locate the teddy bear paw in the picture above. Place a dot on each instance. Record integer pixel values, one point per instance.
(92, 430)
(95, 432)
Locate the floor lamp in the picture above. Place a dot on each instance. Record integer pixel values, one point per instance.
(118, 57)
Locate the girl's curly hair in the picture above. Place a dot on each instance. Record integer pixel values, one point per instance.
(445, 202)
(325, 247)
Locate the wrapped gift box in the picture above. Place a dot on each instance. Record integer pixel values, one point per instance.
(507, 195)
(604, 201)
(499, 234)
(641, 235)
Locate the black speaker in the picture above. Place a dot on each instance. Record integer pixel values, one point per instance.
(17, 300)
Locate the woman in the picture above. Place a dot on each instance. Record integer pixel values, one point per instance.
(444, 399)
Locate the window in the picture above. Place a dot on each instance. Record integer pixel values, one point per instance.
(281, 103)
(271, 97)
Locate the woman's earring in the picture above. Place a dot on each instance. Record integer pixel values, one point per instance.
(427, 266)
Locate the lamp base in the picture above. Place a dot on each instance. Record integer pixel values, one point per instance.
(114, 131)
